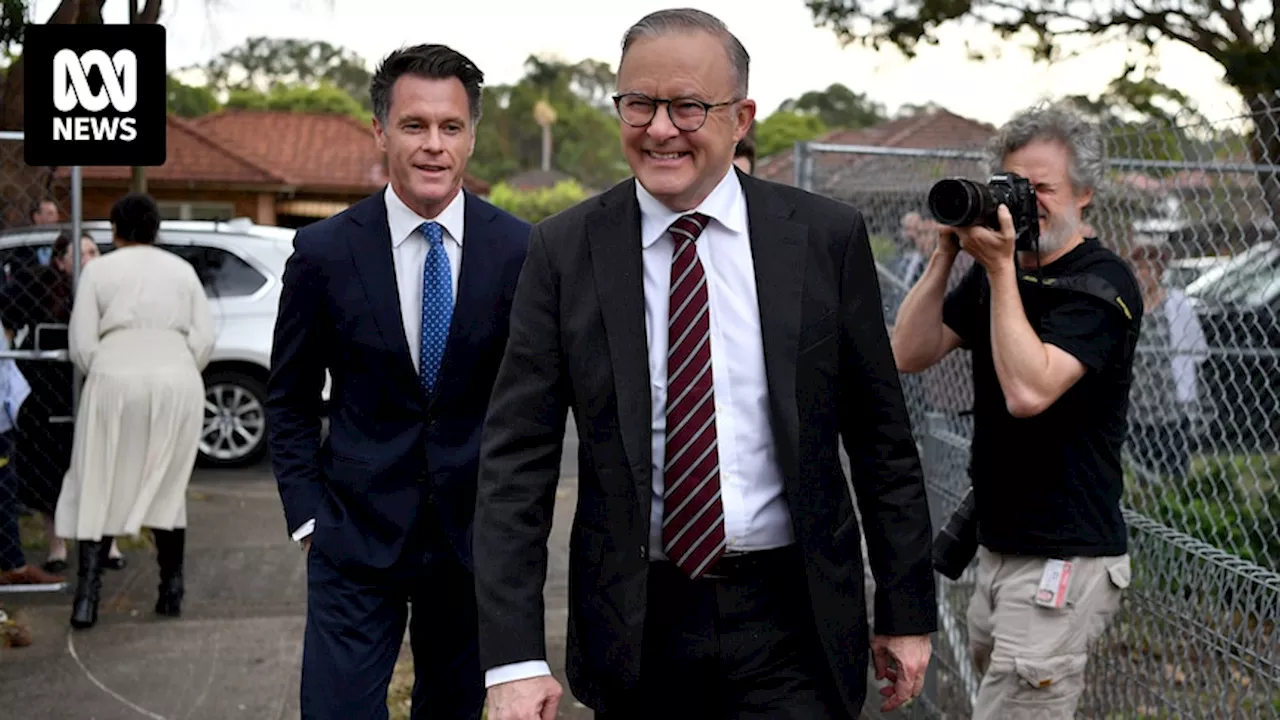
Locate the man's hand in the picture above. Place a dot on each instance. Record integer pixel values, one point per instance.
(948, 241)
(306, 544)
(993, 250)
(535, 698)
(901, 660)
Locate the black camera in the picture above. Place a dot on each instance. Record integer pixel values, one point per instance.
(958, 202)
(957, 542)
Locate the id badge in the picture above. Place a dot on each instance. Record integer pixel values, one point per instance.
(1054, 582)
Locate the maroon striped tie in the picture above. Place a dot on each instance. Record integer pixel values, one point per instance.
(693, 518)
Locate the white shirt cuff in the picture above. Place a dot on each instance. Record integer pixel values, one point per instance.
(306, 529)
(516, 671)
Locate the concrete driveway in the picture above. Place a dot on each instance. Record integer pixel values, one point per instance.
(235, 652)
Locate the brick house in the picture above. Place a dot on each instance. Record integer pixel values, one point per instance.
(885, 187)
(1225, 207)
(277, 168)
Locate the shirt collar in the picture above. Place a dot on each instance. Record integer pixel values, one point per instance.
(723, 205)
(404, 222)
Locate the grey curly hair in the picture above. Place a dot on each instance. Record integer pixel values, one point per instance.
(1062, 122)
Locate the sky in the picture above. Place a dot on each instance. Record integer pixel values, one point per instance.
(789, 56)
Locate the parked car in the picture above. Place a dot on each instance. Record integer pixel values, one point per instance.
(1238, 303)
(1182, 272)
(241, 265)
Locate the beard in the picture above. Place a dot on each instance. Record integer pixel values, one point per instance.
(1059, 231)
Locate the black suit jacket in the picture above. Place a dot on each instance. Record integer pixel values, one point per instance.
(392, 452)
(578, 342)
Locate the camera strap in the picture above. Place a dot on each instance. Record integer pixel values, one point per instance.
(1093, 285)
(1088, 284)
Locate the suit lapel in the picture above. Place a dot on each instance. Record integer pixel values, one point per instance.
(778, 247)
(371, 257)
(613, 233)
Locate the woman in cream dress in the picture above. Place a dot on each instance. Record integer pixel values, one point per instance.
(141, 331)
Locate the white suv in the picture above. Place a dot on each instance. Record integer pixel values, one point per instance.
(241, 265)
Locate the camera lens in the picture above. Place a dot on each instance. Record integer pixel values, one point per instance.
(958, 202)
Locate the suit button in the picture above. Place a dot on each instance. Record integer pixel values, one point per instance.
(644, 553)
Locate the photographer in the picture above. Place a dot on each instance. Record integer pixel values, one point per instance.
(1052, 325)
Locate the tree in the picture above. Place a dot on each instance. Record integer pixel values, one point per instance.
(324, 98)
(838, 107)
(1140, 111)
(783, 129)
(913, 109)
(13, 18)
(68, 12)
(585, 144)
(261, 64)
(1240, 36)
(189, 101)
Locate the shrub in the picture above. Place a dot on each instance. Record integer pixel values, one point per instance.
(539, 204)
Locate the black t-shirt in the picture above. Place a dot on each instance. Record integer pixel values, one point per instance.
(1050, 485)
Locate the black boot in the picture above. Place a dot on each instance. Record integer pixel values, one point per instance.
(92, 559)
(170, 548)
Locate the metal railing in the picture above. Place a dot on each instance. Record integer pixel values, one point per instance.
(1197, 634)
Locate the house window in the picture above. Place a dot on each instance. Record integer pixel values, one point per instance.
(196, 210)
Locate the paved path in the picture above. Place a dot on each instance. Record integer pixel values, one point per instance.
(235, 652)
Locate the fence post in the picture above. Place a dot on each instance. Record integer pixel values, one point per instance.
(77, 213)
(800, 157)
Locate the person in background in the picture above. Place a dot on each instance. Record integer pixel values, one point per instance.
(1166, 385)
(44, 212)
(1051, 371)
(35, 306)
(141, 332)
(14, 569)
(920, 234)
(744, 155)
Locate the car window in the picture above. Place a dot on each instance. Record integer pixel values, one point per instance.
(17, 256)
(13, 258)
(223, 274)
(1251, 284)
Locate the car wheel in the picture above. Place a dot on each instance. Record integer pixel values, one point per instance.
(235, 420)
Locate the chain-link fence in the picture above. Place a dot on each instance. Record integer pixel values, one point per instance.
(41, 253)
(1194, 207)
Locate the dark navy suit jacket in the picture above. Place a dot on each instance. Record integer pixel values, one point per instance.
(392, 452)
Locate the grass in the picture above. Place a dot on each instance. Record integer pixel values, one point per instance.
(31, 530)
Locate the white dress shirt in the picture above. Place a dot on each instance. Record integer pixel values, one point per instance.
(751, 490)
(409, 255)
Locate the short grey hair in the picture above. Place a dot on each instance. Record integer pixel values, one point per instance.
(1063, 123)
(685, 20)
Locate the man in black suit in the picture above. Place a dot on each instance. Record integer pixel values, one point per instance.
(404, 299)
(715, 337)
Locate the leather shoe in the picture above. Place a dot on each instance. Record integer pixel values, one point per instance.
(29, 575)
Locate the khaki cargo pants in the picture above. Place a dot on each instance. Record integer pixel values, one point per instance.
(1032, 658)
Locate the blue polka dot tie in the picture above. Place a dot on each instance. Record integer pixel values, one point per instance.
(437, 305)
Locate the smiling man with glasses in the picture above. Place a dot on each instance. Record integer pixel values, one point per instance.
(715, 336)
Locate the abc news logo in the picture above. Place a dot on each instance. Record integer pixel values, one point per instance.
(71, 90)
(95, 95)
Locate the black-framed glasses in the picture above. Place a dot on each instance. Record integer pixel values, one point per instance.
(687, 114)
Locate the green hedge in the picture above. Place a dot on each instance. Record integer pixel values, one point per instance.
(540, 204)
